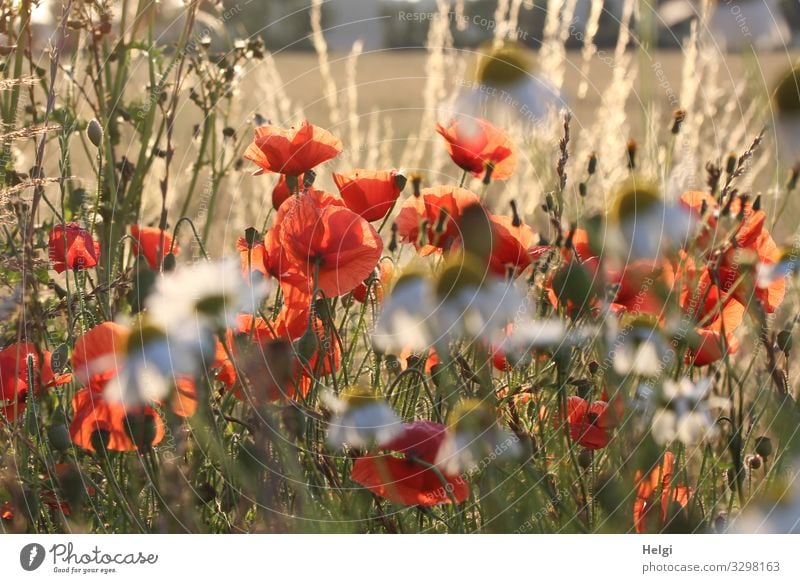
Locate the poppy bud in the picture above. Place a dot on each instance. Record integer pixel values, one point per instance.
(784, 341)
(142, 431)
(757, 203)
(251, 236)
(392, 364)
(170, 262)
(754, 462)
(229, 132)
(73, 486)
(94, 131)
(678, 117)
(400, 179)
(323, 309)
(592, 166)
(99, 440)
(764, 446)
(416, 182)
(585, 459)
(593, 367)
(515, 220)
(631, 148)
(58, 436)
(730, 165)
(582, 189)
(307, 345)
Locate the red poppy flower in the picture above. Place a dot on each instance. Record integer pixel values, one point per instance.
(645, 516)
(371, 194)
(511, 246)
(330, 243)
(72, 247)
(751, 237)
(380, 279)
(715, 313)
(430, 221)
(97, 421)
(475, 144)
(291, 151)
(94, 358)
(642, 286)
(262, 358)
(405, 481)
(589, 424)
(6, 511)
(14, 384)
(281, 192)
(153, 244)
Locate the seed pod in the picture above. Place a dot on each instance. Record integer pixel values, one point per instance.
(730, 165)
(764, 446)
(592, 166)
(631, 148)
(784, 341)
(678, 117)
(94, 131)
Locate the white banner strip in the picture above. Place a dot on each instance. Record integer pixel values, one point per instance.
(399, 558)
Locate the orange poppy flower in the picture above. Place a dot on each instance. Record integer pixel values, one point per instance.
(589, 424)
(750, 236)
(475, 144)
(152, 244)
(330, 243)
(372, 194)
(404, 481)
(282, 191)
(14, 384)
(645, 516)
(430, 221)
(381, 278)
(97, 421)
(291, 151)
(72, 247)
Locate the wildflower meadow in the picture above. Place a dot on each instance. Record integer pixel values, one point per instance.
(514, 287)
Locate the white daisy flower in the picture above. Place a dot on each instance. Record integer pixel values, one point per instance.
(686, 416)
(205, 296)
(147, 370)
(647, 226)
(474, 440)
(362, 418)
(463, 303)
